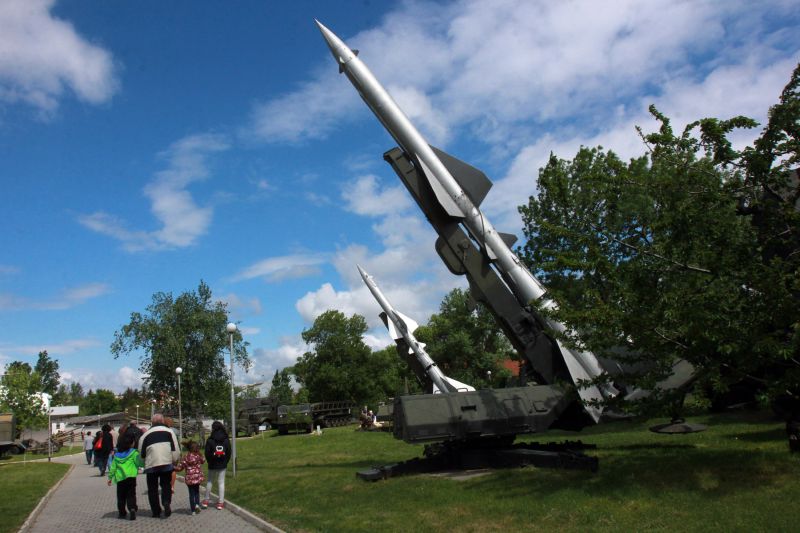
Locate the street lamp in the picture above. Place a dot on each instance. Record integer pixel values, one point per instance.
(231, 330)
(179, 371)
(137, 413)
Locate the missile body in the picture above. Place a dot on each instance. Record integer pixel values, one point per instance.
(402, 327)
(583, 366)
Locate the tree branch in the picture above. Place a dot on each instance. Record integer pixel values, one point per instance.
(651, 254)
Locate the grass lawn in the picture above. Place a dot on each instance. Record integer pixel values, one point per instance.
(65, 450)
(23, 485)
(736, 476)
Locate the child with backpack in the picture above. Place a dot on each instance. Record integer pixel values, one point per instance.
(218, 452)
(123, 471)
(192, 462)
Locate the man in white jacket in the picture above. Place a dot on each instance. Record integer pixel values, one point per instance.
(160, 450)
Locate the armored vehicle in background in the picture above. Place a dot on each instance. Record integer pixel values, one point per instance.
(254, 413)
(306, 416)
(8, 433)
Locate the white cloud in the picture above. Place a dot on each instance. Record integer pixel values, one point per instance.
(8, 270)
(42, 56)
(362, 197)
(67, 299)
(114, 380)
(281, 268)
(56, 349)
(242, 306)
(182, 220)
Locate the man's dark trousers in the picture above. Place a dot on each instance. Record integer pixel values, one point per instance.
(164, 479)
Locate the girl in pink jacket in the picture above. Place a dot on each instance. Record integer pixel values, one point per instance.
(192, 463)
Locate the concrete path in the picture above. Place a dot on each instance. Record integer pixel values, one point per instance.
(84, 502)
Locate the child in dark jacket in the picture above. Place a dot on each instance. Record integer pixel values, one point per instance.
(192, 462)
(218, 452)
(124, 468)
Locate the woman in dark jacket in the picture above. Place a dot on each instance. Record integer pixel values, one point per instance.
(218, 453)
(101, 454)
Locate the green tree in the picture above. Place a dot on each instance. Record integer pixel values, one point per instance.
(76, 393)
(61, 396)
(187, 331)
(691, 251)
(465, 340)
(281, 390)
(48, 370)
(339, 365)
(20, 389)
(100, 402)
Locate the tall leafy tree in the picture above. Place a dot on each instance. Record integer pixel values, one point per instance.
(690, 251)
(281, 390)
(465, 341)
(99, 402)
(47, 368)
(20, 388)
(76, 393)
(338, 367)
(187, 332)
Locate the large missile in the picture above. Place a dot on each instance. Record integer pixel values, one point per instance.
(583, 366)
(402, 327)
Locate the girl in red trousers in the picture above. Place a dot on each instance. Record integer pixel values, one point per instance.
(192, 463)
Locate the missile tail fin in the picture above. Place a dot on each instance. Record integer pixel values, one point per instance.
(472, 180)
(442, 197)
(393, 333)
(457, 385)
(508, 238)
(411, 325)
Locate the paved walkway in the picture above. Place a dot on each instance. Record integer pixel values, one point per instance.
(84, 502)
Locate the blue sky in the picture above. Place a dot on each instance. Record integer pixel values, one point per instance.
(147, 145)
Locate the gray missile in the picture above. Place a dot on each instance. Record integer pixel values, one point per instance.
(583, 366)
(402, 327)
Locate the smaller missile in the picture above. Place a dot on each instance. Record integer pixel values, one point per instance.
(403, 327)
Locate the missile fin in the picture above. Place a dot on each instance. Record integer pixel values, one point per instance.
(508, 238)
(457, 385)
(411, 325)
(393, 333)
(444, 199)
(472, 180)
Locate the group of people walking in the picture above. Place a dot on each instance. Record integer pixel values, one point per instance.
(157, 453)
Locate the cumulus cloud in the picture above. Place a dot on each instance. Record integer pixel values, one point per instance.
(42, 56)
(362, 197)
(114, 380)
(67, 299)
(183, 222)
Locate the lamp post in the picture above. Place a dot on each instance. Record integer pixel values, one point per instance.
(179, 371)
(137, 414)
(231, 330)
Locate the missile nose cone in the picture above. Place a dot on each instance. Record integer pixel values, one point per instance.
(341, 52)
(363, 272)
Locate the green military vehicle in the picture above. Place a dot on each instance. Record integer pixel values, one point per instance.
(8, 434)
(255, 413)
(307, 416)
